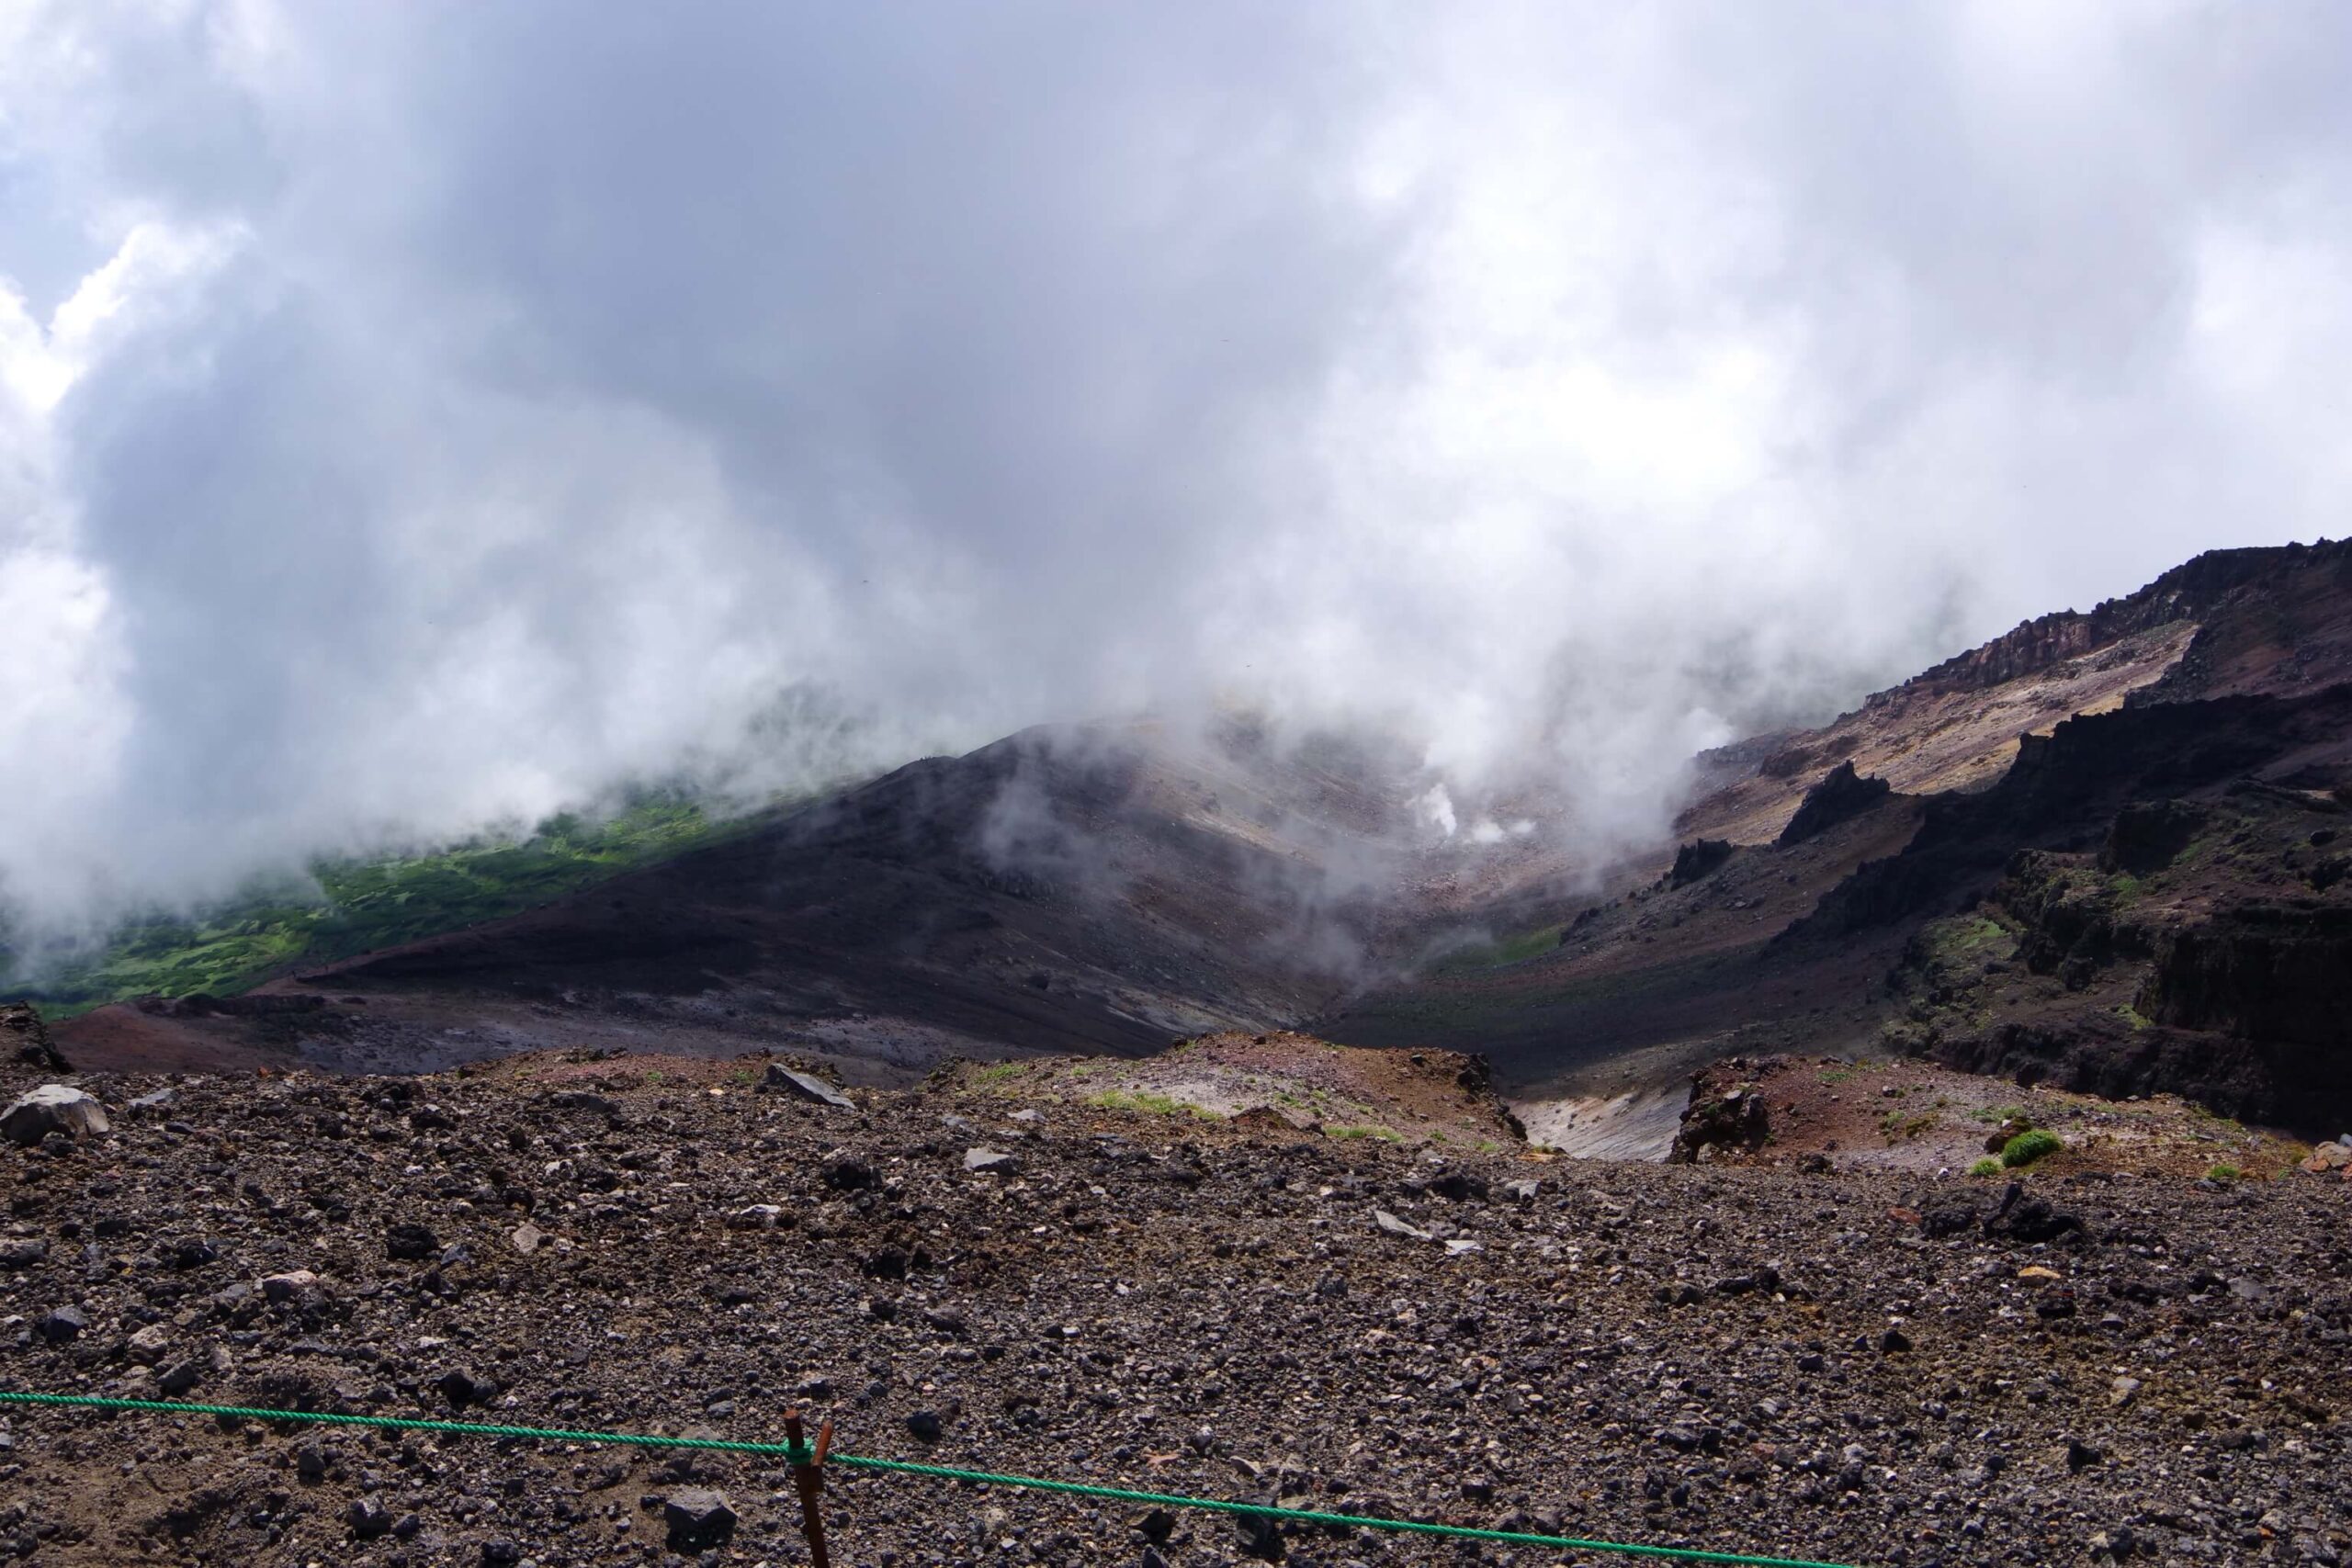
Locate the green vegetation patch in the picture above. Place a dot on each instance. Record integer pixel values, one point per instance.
(351, 906)
(1501, 953)
(2030, 1145)
(1365, 1130)
(1966, 939)
(1147, 1103)
(1988, 1166)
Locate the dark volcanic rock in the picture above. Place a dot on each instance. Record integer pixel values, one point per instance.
(410, 1242)
(25, 1037)
(1841, 796)
(1737, 1119)
(1697, 860)
(696, 1520)
(2147, 835)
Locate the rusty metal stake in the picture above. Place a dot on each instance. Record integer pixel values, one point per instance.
(811, 1478)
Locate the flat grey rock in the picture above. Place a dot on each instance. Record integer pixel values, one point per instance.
(807, 1088)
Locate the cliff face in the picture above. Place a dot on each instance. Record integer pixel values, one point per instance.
(2198, 590)
(2106, 861)
(2198, 942)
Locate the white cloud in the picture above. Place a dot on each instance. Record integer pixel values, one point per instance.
(422, 414)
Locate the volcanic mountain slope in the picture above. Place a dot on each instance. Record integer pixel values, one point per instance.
(2134, 889)
(1114, 887)
(1866, 1366)
(1103, 888)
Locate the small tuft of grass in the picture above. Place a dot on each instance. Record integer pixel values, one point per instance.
(2224, 1173)
(1894, 1124)
(2029, 1146)
(998, 1072)
(1988, 1166)
(654, 1075)
(1147, 1103)
(1364, 1130)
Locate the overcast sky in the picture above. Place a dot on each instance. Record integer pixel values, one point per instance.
(415, 415)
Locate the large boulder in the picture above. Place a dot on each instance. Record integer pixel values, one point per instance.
(53, 1108)
(1735, 1118)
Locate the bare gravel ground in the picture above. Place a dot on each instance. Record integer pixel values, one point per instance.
(1870, 1367)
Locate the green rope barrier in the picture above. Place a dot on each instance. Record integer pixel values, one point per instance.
(802, 1453)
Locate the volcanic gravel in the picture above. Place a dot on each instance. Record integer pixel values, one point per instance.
(1865, 1367)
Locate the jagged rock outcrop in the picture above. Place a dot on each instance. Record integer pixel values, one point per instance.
(2277, 974)
(1841, 796)
(2191, 592)
(1735, 1119)
(2147, 835)
(24, 1037)
(1698, 860)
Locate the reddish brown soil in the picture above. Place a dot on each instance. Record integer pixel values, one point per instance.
(1898, 1114)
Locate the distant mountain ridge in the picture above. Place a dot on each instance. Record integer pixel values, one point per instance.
(1113, 887)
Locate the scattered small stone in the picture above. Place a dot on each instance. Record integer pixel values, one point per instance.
(462, 1386)
(62, 1326)
(410, 1243)
(1261, 1534)
(990, 1162)
(697, 1519)
(367, 1519)
(847, 1173)
(181, 1377)
(298, 1284)
(1394, 1227)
